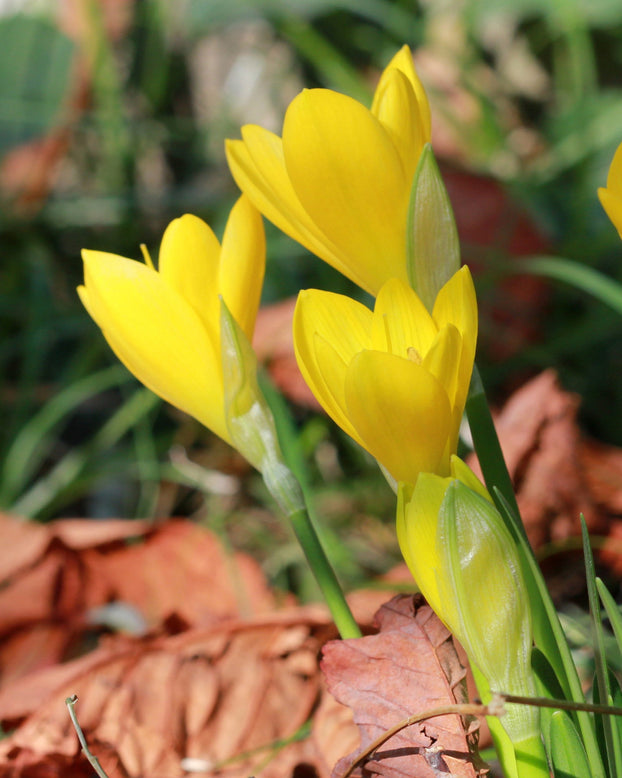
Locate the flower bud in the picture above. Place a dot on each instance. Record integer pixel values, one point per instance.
(467, 566)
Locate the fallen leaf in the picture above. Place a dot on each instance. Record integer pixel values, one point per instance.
(411, 665)
(541, 443)
(229, 698)
(58, 575)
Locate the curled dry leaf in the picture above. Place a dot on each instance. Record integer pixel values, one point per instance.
(411, 665)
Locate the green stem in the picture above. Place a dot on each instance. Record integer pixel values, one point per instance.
(531, 759)
(324, 574)
(290, 488)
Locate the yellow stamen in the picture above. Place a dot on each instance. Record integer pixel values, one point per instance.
(146, 256)
(414, 355)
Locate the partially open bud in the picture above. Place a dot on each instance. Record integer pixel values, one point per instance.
(467, 566)
(249, 420)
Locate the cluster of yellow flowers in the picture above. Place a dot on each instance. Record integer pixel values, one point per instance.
(339, 181)
(396, 379)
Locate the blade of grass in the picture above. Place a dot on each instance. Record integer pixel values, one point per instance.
(612, 610)
(567, 753)
(550, 639)
(73, 464)
(612, 745)
(33, 442)
(585, 278)
(334, 68)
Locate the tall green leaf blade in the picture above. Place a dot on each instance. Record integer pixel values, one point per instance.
(567, 753)
(550, 639)
(35, 70)
(602, 691)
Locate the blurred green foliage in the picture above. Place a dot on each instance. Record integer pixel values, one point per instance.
(134, 112)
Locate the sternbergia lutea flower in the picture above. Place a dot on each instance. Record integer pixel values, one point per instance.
(611, 195)
(395, 379)
(339, 180)
(164, 324)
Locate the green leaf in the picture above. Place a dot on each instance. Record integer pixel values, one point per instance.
(567, 753)
(35, 71)
(432, 246)
(548, 686)
(602, 691)
(63, 477)
(550, 639)
(603, 288)
(612, 610)
(35, 439)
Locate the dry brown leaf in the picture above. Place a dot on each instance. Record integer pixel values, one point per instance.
(602, 466)
(411, 665)
(541, 443)
(56, 574)
(228, 696)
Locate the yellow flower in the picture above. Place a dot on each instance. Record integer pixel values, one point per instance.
(467, 566)
(164, 325)
(339, 180)
(611, 196)
(395, 379)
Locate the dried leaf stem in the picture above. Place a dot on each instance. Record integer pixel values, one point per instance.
(466, 709)
(94, 761)
(494, 708)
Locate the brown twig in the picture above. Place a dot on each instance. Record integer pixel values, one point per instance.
(94, 761)
(494, 708)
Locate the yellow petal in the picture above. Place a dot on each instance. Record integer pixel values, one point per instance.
(400, 411)
(443, 362)
(456, 304)
(442, 359)
(403, 61)
(462, 472)
(242, 264)
(612, 203)
(349, 178)
(157, 334)
(329, 329)
(328, 385)
(614, 177)
(341, 321)
(258, 167)
(401, 321)
(188, 262)
(397, 109)
(418, 538)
